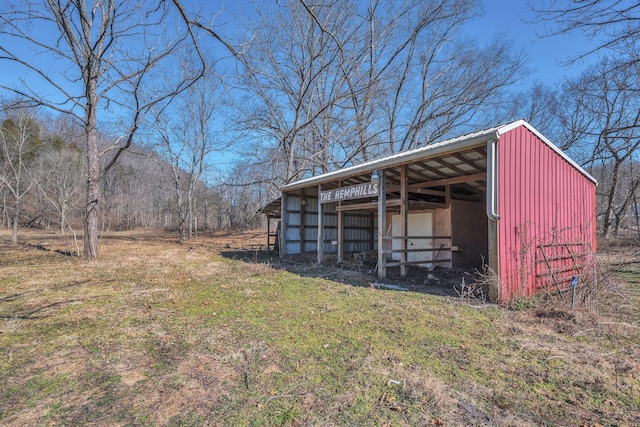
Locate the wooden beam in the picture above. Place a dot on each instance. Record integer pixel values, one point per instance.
(396, 189)
(448, 165)
(395, 264)
(366, 206)
(469, 162)
(415, 205)
(430, 169)
(395, 251)
(454, 180)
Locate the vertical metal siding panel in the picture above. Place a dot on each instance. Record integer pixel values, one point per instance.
(548, 175)
(541, 191)
(535, 167)
(520, 144)
(293, 233)
(528, 226)
(536, 211)
(293, 203)
(356, 233)
(516, 203)
(540, 184)
(525, 224)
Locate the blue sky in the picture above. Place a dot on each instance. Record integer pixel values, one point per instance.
(500, 17)
(513, 17)
(509, 17)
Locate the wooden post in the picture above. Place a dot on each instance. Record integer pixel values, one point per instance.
(268, 232)
(404, 209)
(447, 195)
(382, 225)
(340, 230)
(320, 226)
(340, 234)
(283, 224)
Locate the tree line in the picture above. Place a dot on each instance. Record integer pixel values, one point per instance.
(42, 166)
(151, 98)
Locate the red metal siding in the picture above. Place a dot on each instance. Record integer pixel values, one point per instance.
(546, 208)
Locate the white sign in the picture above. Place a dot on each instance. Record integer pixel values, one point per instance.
(359, 191)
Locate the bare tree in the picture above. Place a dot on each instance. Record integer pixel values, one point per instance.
(185, 140)
(340, 82)
(611, 25)
(57, 174)
(540, 105)
(604, 114)
(19, 141)
(107, 56)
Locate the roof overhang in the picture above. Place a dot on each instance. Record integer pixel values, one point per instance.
(461, 143)
(272, 209)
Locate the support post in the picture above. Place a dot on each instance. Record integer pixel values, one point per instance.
(340, 235)
(268, 233)
(382, 225)
(340, 230)
(404, 196)
(447, 195)
(320, 227)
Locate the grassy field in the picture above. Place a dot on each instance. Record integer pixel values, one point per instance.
(154, 333)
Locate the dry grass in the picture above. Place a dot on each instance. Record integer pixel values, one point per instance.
(154, 333)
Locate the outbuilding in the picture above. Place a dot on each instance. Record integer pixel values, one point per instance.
(505, 197)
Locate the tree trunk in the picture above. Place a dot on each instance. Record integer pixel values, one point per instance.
(635, 203)
(182, 225)
(93, 174)
(63, 216)
(190, 216)
(5, 214)
(611, 197)
(182, 215)
(14, 222)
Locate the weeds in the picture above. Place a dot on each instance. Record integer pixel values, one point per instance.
(477, 290)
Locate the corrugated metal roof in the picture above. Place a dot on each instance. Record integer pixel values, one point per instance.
(439, 149)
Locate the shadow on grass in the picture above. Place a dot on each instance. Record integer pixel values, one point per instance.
(59, 251)
(33, 313)
(439, 282)
(24, 312)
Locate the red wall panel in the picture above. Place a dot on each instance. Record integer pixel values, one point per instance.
(545, 205)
